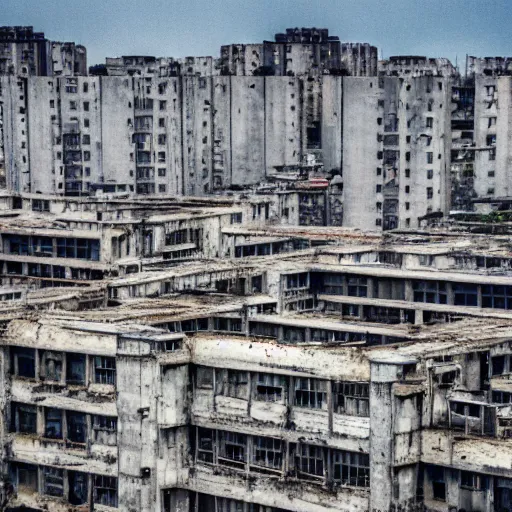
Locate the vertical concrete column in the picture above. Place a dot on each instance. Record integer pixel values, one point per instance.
(383, 374)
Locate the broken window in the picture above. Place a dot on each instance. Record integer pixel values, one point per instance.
(438, 483)
(351, 468)
(310, 393)
(297, 280)
(104, 370)
(204, 377)
(75, 368)
(232, 383)
(24, 477)
(500, 365)
(23, 362)
(76, 427)
(53, 423)
(105, 429)
(270, 387)
(352, 398)
(205, 443)
(53, 481)
(267, 452)
(78, 488)
(51, 366)
(473, 481)
(105, 490)
(309, 460)
(232, 448)
(23, 418)
(357, 286)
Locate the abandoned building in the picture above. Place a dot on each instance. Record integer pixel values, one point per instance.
(197, 355)
(373, 146)
(279, 280)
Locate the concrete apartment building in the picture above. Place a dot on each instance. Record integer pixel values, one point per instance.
(416, 141)
(24, 52)
(270, 368)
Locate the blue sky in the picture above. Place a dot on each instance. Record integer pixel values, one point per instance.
(436, 28)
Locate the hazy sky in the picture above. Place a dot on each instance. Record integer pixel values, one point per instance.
(174, 28)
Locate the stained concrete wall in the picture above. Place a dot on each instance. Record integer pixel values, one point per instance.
(361, 112)
(247, 130)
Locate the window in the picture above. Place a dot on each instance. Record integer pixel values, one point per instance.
(161, 188)
(87, 156)
(270, 387)
(86, 106)
(161, 122)
(105, 490)
(407, 189)
(351, 468)
(23, 418)
(104, 370)
(491, 140)
(310, 393)
(351, 398)
(267, 452)
(379, 171)
(76, 427)
(163, 105)
(357, 287)
(236, 218)
(86, 139)
(78, 487)
(161, 156)
(429, 291)
(232, 383)
(52, 103)
(40, 205)
(407, 173)
(53, 481)
(24, 477)
(297, 281)
(492, 122)
(497, 296)
(430, 192)
(430, 157)
(87, 171)
(378, 222)
(162, 139)
(310, 460)
(204, 377)
(51, 365)
(430, 122)
(205, 443)
(86, 123)
(465, 294)
(500, 365)
(232, 448)
(407, 206)
(430, 174)
(23, 362)
(105, 430)
(85, 87)
(73, 105)
(53, 423)
(490, 174)
(473, 481)
(438, 484)
(378, 189)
